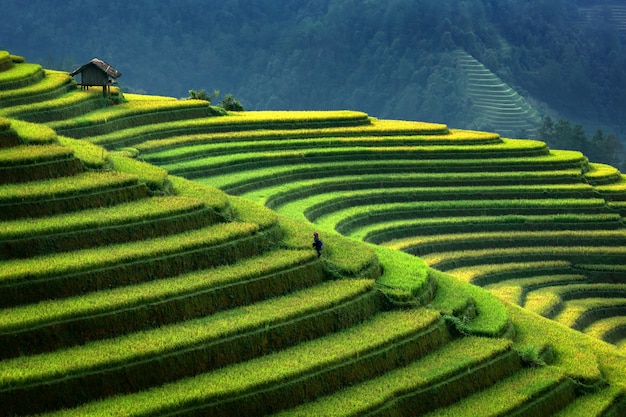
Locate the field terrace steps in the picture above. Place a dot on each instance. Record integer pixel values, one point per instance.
(209, 343)
(550, 392)
(416, 388)
(503, 108)
(30, 152)
(578, 305)
(436, 195)
(66, 274)
(6, 61)
(611, 330)
(8, 136)
(39, 95)
(598, 14)
(55, 104)
(20, 75)
(135, 220)
(113, 312)
(59, 195)
(139, 120)
(42, 97)
(236, 315)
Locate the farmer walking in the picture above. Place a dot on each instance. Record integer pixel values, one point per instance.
(317, 244)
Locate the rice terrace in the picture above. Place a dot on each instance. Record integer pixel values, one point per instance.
(156, 260)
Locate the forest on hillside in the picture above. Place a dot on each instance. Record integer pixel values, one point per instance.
(388, 58)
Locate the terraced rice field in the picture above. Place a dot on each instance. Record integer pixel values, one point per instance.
(503, 109)
(127, 289)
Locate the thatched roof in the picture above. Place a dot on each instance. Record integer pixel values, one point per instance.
(108, 69)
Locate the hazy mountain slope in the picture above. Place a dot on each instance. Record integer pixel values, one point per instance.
(386, 58)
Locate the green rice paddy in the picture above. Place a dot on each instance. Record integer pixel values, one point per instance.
(156, 259)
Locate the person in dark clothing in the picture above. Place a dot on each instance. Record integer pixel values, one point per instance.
(317, 244)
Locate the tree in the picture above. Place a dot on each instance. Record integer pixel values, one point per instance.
(231, 103)
(546, 130)
(607, 149)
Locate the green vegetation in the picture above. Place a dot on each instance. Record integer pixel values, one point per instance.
(93, 156)
(128, 290)
(33, 134)
(420, 379)
(360, 345)
(142, 210)
(56, 188)
(138, 347)
(394, 60)
(153, 176)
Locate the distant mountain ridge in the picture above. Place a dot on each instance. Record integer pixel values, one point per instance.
(389, 59)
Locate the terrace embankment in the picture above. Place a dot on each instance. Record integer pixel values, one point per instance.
(461, 200)
(126, 289)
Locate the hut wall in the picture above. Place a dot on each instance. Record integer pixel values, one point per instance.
(91, 75)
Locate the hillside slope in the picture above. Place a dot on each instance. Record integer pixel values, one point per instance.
(390, 59)
(497, 103)
(129, 290)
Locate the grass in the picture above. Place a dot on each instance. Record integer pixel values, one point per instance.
(87, 182)
(604, 328)
(274, 171)
(276, 194)
(574, 353)
(5, 124)
(34, 134)
(69, 99)
(314, 204)
(383, 131)
(543, 302)
(219, 145)
(378, 131)
(138, 346)
(48, 312)
(19, 72)
(466, 354)
(335, 153)
(401, 189)
(152, 175)
(598, 172)
(317, 116)
(595, 404)
(512, 270)
(271, 370)
(125, 110)
(614, 188)
(477, 240)
(452, 298)
(578, 313)
(345, 219)
(143, 210)
(386, 231)
(152, 123)
(404, 276)
(515, 290)
(212, 197)
(18, 100)
(93, 156)
(19, 270)
(20, 155)
(444, 260)
(343, 258)
(507, 395)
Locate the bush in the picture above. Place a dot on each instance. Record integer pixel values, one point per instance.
(203, 95)
(231, 103)
(199, 95)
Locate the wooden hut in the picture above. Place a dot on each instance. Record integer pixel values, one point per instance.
(97, 73)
